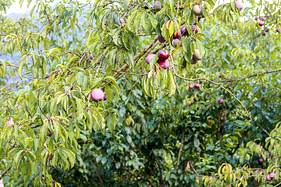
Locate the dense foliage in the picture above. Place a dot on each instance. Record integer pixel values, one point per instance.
(212, 118)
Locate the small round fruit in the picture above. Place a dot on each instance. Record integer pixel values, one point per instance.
(195, 29)
(177, 35)
(161, 39)
(149, 57)
(10, 122)
(220, 101)
(175, 42)
(268, 178)
(260, 23)
(197, 55)
(196, 10)
(220, 75)
(197, 85)
(123, 20)
(97, 95)
(190, 86)
(256, 17)
(260, 160)
(184, 30)
(157, 5)
(239, 5)
(262, 18)
(228, 79)
(164, 63)
(277, 30)
(91, 57)
(263, 33)
(272, 175)
(104, 97)
(163, 54)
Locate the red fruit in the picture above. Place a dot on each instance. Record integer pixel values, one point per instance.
(220, 101)
(197, 85)
(184, 31)
(164, 63)
(262, 18)
(260, 160)
(149, 57)
(97, 95)
(261, 23)
(263, 33)
(195, 29)
(239, 5)
(220, 75)
(163, 54)
(190, 86)
(161, 39)
(157, 5)
(228, 79)
(177, 35)
(277, 30)
(10, 122)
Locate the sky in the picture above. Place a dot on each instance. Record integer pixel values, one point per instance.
(15, 8)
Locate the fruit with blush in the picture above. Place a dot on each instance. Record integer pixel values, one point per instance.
(262, 18)
(239, 5)
(175, 42)
(91, 57)
(190, 86)
(149, 57)
(228, 79)
(196, 10)
(268, 178)
(157, 5)
(184, 30)
(195, 29)
(177, 35)
(163, 54)
(261, 23)
(197, 85)
(220, 101)
(163, 63)
(272, 175)
(10, 122)
(196, 55)
(256, 17)
(97, 95)
(263, 33)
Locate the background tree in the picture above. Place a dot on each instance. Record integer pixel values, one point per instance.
(203, 111)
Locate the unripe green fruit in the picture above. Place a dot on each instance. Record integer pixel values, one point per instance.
(197, 55)
(196, 10)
